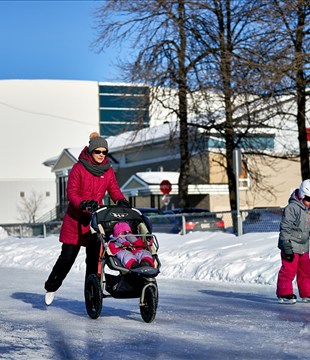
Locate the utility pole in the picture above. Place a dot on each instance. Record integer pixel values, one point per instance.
(237, 169)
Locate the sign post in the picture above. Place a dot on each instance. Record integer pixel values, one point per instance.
(166, 200)
(165, 188)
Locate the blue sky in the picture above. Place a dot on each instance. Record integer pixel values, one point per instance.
(52, 40)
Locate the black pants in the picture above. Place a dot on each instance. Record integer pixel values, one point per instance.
(66, 260)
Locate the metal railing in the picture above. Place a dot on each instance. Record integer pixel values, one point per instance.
(23, 230)
(55, 214)
(253, 220)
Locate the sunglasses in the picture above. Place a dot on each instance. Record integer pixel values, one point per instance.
(125, 232)
(103, 152)
(306, 198)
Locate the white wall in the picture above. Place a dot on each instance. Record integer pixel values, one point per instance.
(38, 119)
(10, 190)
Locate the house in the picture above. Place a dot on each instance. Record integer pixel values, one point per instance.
(142, 160)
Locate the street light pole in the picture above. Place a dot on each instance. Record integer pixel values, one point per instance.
(237, 170)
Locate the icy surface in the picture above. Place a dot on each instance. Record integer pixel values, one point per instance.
(216, 301)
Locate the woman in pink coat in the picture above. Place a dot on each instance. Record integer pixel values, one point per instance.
(89, 180)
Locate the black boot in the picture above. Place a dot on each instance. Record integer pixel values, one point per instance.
(145, 263)
(134, 265)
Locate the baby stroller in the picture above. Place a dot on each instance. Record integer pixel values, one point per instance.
(121, 282)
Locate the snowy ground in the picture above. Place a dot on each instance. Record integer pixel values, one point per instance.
(216, 301)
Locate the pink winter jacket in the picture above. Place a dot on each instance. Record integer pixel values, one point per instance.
(130, 242)
(82, 185)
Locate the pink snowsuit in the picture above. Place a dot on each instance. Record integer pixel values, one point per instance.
(128, 248)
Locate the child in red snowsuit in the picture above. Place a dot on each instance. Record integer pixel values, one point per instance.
(129, 249)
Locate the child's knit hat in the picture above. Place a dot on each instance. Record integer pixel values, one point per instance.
(121, 227)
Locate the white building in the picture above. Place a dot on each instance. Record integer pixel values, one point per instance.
(38, 119)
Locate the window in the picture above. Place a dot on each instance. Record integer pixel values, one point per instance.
(122, 108)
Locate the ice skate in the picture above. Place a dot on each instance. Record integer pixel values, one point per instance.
(287, 299)
(49, 297)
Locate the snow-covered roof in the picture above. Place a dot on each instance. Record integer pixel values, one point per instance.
(149, 183)
(156, 177)
(142, 137)
(51, 161)
(127, 139)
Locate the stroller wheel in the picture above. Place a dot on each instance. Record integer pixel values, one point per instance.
(149, 306)
(93, 296)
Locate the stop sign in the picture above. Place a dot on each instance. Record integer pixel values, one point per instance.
(165, 186)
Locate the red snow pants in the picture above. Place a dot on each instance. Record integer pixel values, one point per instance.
(299, 267)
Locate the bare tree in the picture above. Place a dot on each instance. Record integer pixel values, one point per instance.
(29, 207)
(210, 56)
(288, 59)
(226, 34)
(162, 33)
(249, 91)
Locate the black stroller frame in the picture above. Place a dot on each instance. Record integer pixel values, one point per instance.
(128, 283)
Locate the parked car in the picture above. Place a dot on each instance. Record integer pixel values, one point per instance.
(160, 222)
(262, 220)
(198, 219)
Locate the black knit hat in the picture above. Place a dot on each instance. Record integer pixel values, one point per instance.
(96, 141)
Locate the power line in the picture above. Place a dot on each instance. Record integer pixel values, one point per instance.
(44, 114)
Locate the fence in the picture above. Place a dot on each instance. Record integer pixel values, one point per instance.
(253, 220)
(32, 230)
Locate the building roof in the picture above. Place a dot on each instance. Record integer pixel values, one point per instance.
(148, 183)
(129, 139)
(156, 177)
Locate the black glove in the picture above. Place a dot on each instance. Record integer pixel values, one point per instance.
(289, 257)
(89, 205)
(123, 202)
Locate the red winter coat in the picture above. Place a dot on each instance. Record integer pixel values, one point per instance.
(82, 185)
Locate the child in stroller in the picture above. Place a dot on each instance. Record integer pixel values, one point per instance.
(129, 249)
(124, 281)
